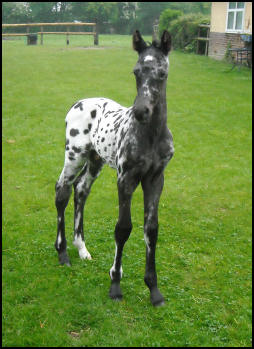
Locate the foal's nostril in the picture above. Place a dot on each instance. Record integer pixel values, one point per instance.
(142, 114)
(146, 111)
(138, 115)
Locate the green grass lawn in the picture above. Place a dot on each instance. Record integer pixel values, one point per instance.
(204, 245)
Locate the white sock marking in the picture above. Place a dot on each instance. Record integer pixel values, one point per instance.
(113, 268)
(59, 240)
(80, 244)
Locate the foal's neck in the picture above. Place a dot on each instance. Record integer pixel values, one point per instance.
(159, 116)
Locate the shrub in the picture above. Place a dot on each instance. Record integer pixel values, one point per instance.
(166, 17)
(184, 31)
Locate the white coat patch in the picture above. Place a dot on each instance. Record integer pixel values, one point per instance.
(149, 58)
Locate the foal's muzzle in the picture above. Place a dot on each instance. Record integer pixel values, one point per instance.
(142, 111)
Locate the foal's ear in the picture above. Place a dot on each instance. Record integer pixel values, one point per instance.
(165, 42)
(138, 43)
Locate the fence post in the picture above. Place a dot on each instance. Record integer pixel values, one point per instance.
(27, 31)
(41, 35)
(67, 36)
(96, 33)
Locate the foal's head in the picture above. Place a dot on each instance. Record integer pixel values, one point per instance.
(151, 73)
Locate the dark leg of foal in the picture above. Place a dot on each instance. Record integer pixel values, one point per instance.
(82, 187)
(123, 228)
(152, 188)
(63, 193)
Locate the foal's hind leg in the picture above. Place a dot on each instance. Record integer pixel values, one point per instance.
(82, 186)
(63, 193)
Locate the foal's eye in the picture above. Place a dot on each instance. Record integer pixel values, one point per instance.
(162, 75)
(136, 72)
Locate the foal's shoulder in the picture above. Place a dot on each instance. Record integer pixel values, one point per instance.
(166, 145)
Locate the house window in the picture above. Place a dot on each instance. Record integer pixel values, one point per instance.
(235, 16)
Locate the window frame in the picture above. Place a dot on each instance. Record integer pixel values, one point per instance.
(235, 10)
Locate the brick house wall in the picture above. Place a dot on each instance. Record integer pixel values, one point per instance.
(218, 43)
(220, 36)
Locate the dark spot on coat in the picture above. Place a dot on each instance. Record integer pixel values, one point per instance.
(89, 126)
(105, 149)
(67, 141)
(121, 152)
(67, 148)
(87, 147)
(74, 132)
(71, 158)
(77, 150)
(93, 113)
(104, 106)
(116, 120)
(86, 131)
(79, 105)
(103, 139)
(71, 153)
(122, 134)
(72, 106)
(116, 127)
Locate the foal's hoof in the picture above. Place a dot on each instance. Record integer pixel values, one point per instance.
(64, 259)
(157, 299)
(115, 292)
(159, 304)
(84, 254)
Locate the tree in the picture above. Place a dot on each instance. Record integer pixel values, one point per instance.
(15, 12)
(124, 21)
(42, 11)
(124, 17)
(147, 13)
(191, 7)
(91, 11)
(166, 17)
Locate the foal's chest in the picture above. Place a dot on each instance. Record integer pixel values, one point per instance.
(142, 152)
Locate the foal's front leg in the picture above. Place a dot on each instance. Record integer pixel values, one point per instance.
(152, 188)
(123, 228)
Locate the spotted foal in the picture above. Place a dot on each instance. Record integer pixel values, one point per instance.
(136, 142)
